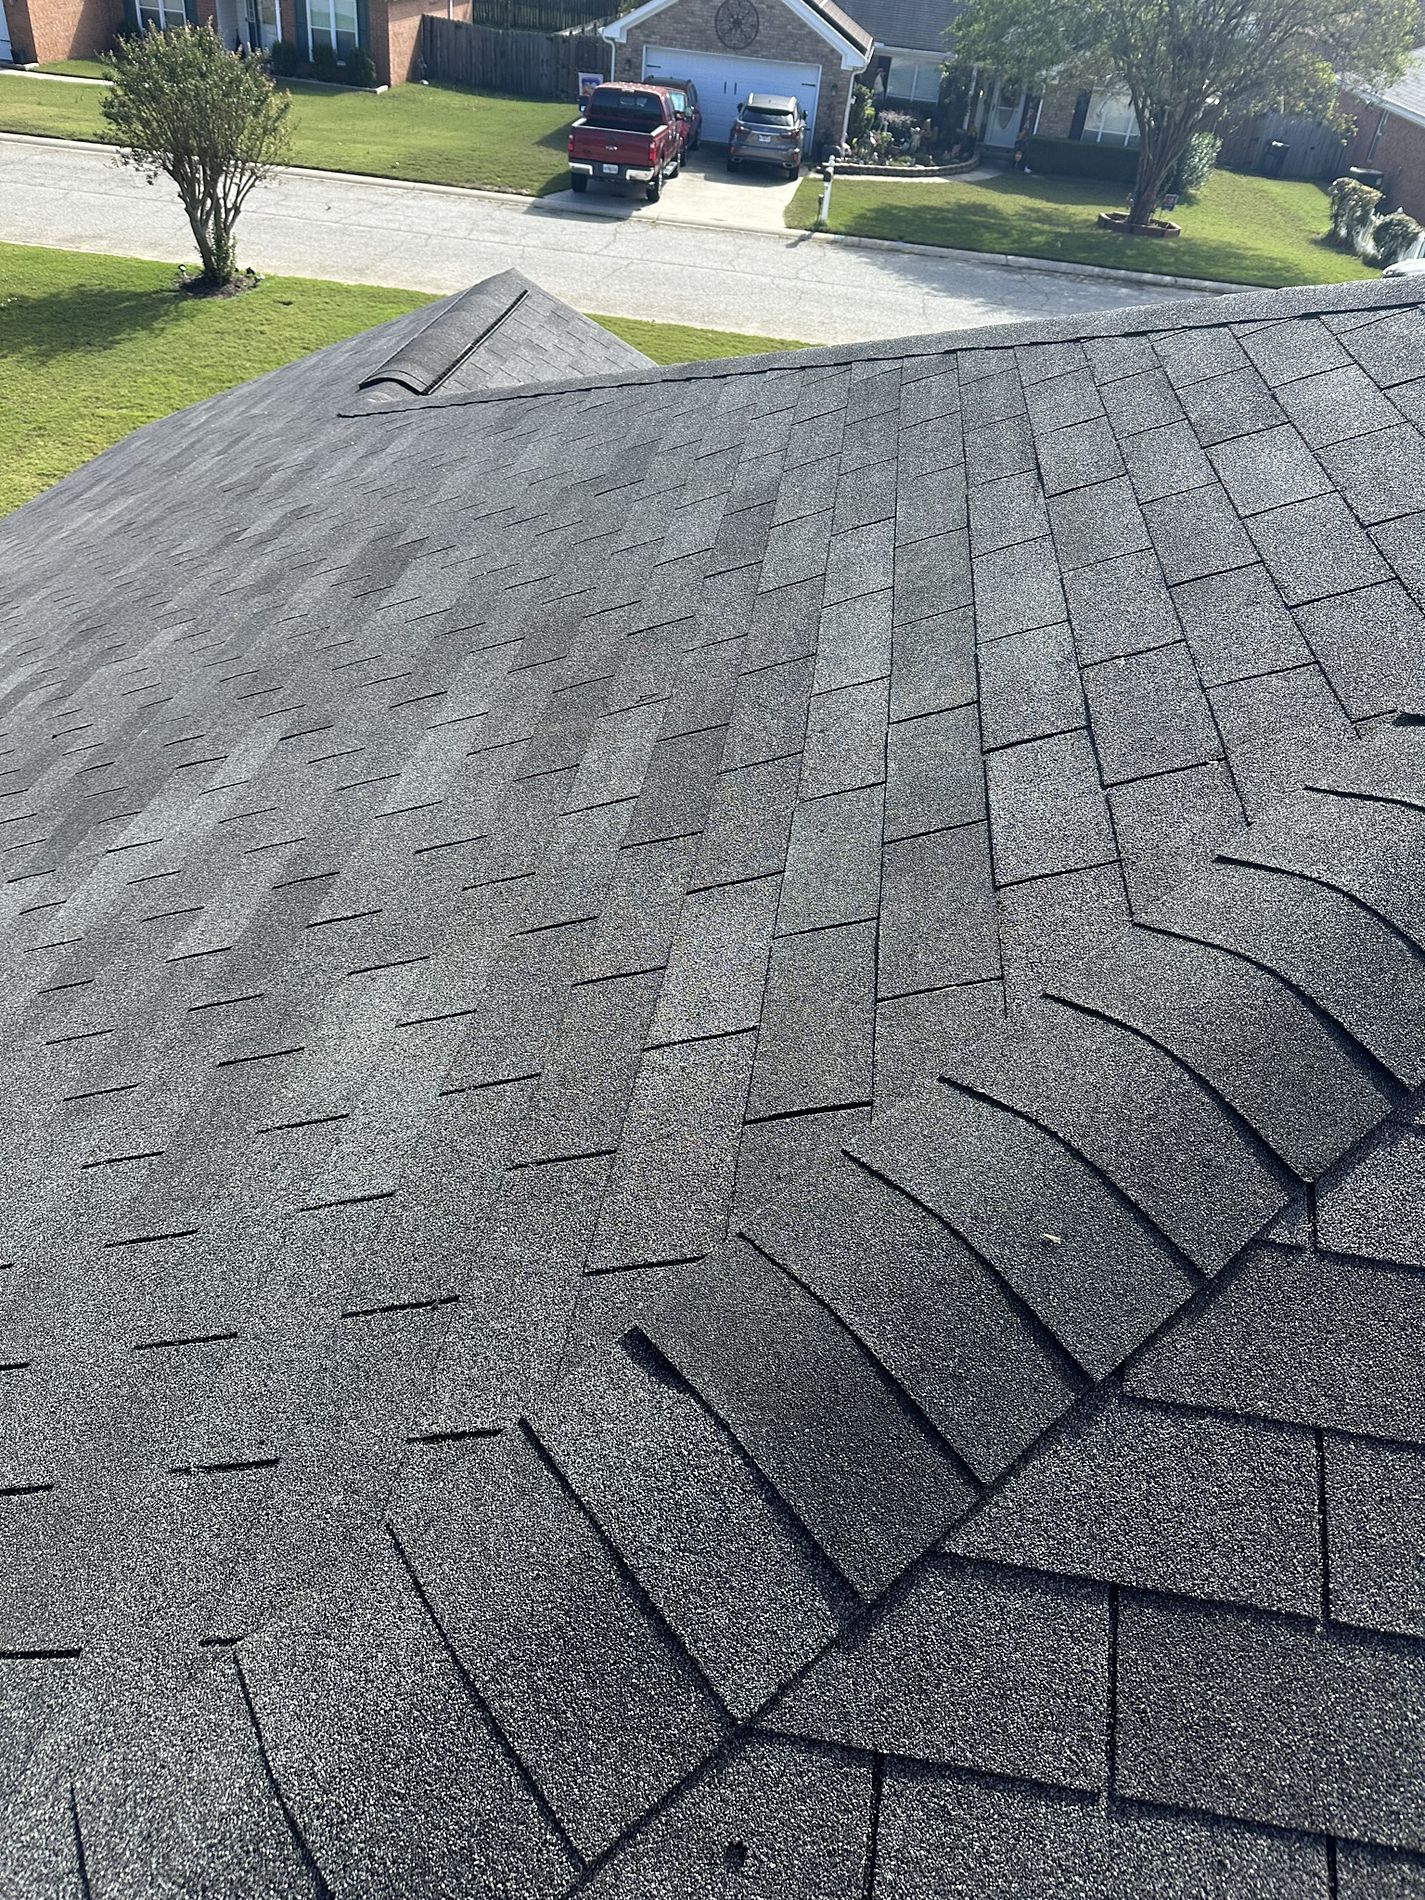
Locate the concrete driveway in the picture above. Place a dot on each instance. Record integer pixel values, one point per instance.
(753, 198)
(432, 237)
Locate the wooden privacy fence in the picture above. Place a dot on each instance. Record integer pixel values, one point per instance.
(538, 65)
(1289, 146)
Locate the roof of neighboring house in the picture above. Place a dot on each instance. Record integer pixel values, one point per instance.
(1406, 97)
(713, 1137)
(910, 26)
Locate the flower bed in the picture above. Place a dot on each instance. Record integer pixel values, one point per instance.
(856, 168)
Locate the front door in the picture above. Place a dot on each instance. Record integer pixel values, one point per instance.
(1003, 119)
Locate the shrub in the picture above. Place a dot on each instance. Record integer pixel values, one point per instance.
(1393, 236)
(360, 68)
(1195, 167)
(863, 114)
(325, 65)
(1081, 158)
(902, 129)
(1353, 208)
(283, 58)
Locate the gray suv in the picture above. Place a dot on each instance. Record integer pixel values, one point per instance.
(768, 131)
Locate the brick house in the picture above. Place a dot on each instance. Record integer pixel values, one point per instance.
(1390, 137)
(36, 30)
(807, 49)
(43, 30)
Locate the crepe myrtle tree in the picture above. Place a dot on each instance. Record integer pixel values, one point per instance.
(182, 105)
(1189, 64)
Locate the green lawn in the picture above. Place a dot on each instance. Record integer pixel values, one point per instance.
(75, 68)
(90, 347)
(1242, 229)
(677, 343)
(441, 134)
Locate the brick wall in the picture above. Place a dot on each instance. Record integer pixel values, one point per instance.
(781, 35)
(1399, 153)
(1056, 114)
(62, 29)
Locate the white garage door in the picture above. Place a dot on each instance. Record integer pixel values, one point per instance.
(723, 80)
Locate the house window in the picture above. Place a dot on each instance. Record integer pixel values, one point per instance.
(333, 23)
(1111, 119)
(915, 80)
(161, 14)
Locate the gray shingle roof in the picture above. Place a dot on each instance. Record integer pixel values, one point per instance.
(915, 26)
(1406, 95)
(495, 335)
(518, 1370)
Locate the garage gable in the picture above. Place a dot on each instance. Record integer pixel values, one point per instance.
(808, 49)
(850, 42)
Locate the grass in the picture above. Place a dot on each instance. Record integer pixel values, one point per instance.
(1241, 229)
(678, 343)
(442, 135)
(75, 68)
(91, 347)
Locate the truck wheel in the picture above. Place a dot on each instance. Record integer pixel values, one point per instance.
(731, 163)
(579, 181)
(655, 188)
(794, 172)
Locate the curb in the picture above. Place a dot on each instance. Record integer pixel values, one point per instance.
(55, 79)
(1054, 265)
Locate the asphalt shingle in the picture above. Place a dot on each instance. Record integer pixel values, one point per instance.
(532, 835)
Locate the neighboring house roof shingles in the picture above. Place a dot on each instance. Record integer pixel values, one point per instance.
(1406, 96)
(518, 1373)
(912, 26)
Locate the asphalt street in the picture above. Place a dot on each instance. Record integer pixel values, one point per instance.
(608, 258)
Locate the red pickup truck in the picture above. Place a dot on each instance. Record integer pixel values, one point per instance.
(628, 133)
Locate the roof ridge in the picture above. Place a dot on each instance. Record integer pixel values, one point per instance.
(1195, 313)
(429, 358)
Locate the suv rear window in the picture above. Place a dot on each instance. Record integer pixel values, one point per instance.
(763, 115)
(621, 111)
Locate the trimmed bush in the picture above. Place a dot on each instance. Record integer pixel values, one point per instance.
(360, 68)
(1076, 158)
(1196, 166)
(1393, 236)
(283, 58)
(325, 65)
(1353, 209)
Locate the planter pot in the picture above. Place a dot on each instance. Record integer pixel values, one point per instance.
(1156, 227)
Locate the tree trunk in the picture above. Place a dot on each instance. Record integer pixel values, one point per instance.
(202, 237)
(1153, 163)
(224, 249)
